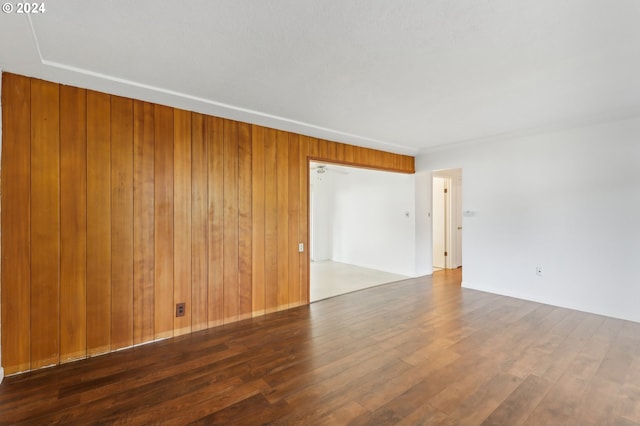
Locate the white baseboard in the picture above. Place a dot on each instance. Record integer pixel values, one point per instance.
(466, 284)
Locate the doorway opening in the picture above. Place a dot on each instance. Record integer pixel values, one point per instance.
(447, 219)
(360, 227)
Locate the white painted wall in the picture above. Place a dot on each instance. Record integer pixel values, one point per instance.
(370, 226)
(568, 201)
(422, 238)
(322, 214)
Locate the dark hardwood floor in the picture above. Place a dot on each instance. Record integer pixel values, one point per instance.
(420, 351)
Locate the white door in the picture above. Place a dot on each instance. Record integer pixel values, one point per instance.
(439, 221)
(312, 222)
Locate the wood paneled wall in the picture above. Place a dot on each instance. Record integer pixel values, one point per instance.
(114, 210)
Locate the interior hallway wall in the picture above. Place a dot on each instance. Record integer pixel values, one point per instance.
(374, 222)
(567, 201)
(323, 190)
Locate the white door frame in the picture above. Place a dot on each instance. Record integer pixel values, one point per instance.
(440, 207)
(453, 216)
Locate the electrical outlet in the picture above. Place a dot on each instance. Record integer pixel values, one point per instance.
(539, 271)
(180, 309)
(300, 247)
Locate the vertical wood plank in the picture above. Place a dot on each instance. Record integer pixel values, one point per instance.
(230, 233)
(314, 148)
(45, 224)
(402, 162)
(357, 155)
(16, 221)
(366, 156)
(215, 145)
(163, 222)
(371, 157)
(282, 153)
(382, 158)
(348, 154)
(303, 226)
(199, 316)
(98, 223)
(323, 149)
(257, 221)
(379, 161)
(121, 222)
(244, 221)
(143, 218)
(410, 164)
(332, 150)
(378, 158)
(182, 219)
(270, 221)
(294, 220)
(73, 223)
(340, 152)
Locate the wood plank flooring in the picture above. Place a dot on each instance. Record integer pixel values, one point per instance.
(419, 351)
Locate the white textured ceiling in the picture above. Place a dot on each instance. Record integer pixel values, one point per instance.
(402, 75)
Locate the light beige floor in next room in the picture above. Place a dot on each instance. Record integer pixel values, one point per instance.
(330, 279)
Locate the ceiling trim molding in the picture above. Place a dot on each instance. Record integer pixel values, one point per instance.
(248, 113)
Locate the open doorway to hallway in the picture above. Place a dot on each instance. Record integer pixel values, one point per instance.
(361, 228)
(447, 219)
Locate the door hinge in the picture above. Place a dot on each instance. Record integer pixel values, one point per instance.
(446, 254)
(446, 190)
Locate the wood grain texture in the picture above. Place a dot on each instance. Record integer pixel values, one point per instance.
(314, 148)
(282, 173)
(215, 143)
(143, 222)
(115, 210)
(45, 224)
(182, 219)
(270, 221)
(98, 223)
(458, 357)
(199, 231)
(303, 233)
(73, 224)
(257, 221)
(230, 231)
(340, 150)
(349, 157)
(244, 222)
(323, 149)
(293, 215)
(163, 222)
(16, 223)
(121, 222)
